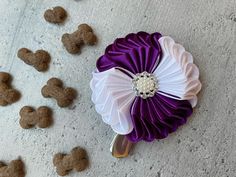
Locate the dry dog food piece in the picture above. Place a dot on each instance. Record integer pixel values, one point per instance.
(74, 41)
(31, 117)
(7, 94)
(77, 160)
(39, 60)
(55, 15)
(14, 169)
(55, 89)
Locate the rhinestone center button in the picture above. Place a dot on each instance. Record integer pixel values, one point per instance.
(145, 85)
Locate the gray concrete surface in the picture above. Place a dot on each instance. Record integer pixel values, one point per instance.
(204, 147)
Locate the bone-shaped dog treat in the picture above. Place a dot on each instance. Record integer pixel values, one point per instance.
(31, 117)
(7, 94)
(77, 160)
(39, 60)
(14, 169)
(55, 89)
(74, 41)
(55, 15)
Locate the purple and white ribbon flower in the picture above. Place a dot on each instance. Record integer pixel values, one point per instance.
(145, 86)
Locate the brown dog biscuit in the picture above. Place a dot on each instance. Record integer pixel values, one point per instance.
(74, 41)
(55, 15)
(55, 89)
(14, 169)
(7, 94)
(77, 160)
(39, 60)
(31, 117)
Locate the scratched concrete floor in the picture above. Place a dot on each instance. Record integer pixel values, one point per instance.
(205, 147)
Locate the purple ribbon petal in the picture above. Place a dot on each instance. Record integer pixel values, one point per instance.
(136, 53)
(156, 117)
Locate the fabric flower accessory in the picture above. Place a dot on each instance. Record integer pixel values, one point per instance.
(145, 87)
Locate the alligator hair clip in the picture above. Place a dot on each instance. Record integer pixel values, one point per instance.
(145, 87)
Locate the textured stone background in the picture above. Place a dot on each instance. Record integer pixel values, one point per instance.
(205, 147)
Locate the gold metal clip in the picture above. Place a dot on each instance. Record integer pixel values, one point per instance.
(120, 146)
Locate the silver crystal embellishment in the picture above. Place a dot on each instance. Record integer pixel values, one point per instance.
(145, 85)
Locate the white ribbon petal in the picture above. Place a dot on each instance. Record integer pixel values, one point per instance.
(177, 76)
(113, 96)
